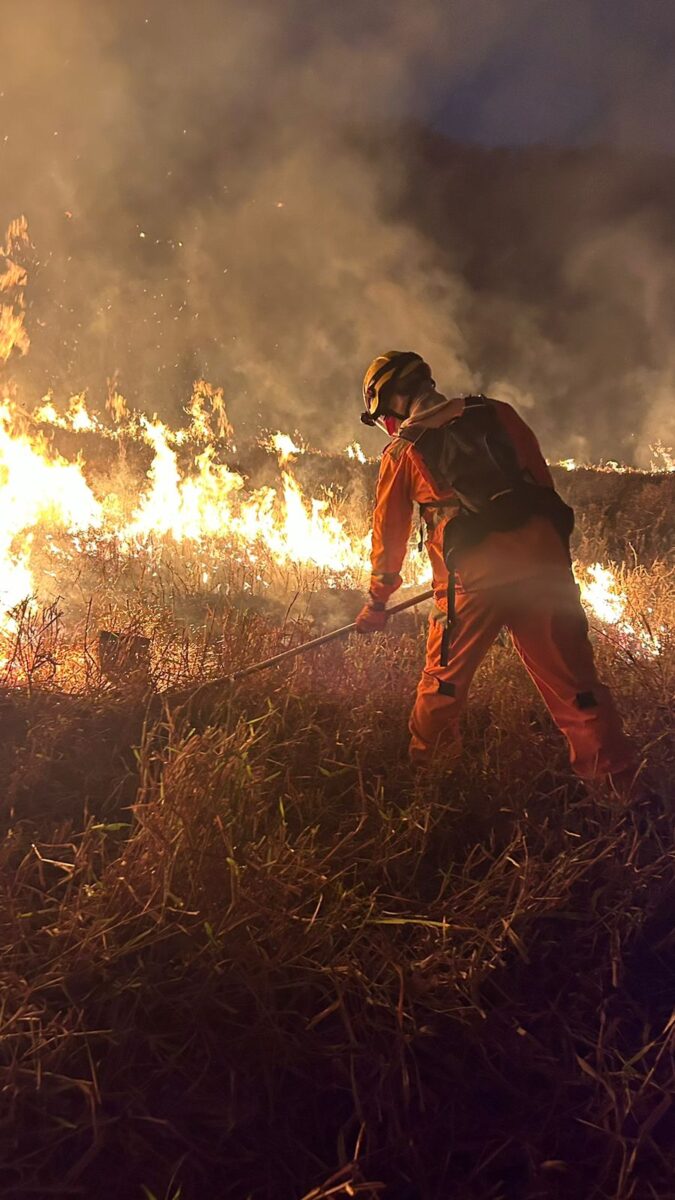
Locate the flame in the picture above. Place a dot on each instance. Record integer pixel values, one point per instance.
(78, 417)
(285, 447)
(205, 503)
(601, 592)
(13, 334)
(14, 276)
(116, 405)
(201, 501)
(207, 412)
(184, 508)
(191, 498)
(663, 458)
(36, 489)
(53, 517)
(662, 462)
(210, 503)
(45, 413)
(355, 452)
(310, 534)
(603, 596)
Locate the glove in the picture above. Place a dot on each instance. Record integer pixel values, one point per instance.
(372, 618)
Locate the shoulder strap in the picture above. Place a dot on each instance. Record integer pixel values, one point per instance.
(417, 431)
(396, 448)
(410, 435)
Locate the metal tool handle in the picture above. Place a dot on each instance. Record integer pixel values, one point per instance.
(189, 695)
(321, 641)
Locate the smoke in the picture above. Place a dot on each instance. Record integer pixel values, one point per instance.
(249, 192)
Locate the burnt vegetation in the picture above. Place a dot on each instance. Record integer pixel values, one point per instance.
(246, 954)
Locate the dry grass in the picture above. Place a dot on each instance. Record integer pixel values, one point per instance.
(249, 955)
(246, 954)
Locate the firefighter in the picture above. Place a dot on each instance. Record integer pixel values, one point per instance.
(497, 535)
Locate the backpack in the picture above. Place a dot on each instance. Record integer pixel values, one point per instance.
(473, 458)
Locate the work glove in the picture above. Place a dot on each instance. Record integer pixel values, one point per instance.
(372, 618)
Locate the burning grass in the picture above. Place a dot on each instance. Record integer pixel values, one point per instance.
(245, 953)
(116, 521)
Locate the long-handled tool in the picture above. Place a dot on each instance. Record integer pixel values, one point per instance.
(411, 602)
(243, 672)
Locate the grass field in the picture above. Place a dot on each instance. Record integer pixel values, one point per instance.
(246, 954)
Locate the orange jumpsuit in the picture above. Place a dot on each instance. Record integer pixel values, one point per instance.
(521, 579)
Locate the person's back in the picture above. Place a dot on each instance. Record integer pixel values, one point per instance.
(498, 541)
(407, 470)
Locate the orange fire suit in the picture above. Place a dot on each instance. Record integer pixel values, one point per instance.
(521, 579)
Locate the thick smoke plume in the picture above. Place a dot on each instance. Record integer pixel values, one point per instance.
(251, 193)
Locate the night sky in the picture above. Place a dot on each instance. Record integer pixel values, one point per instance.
(600, 71)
